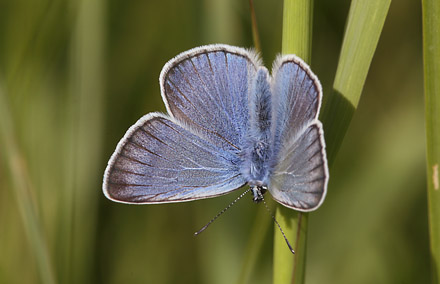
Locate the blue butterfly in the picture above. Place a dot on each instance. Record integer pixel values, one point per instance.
(229, 123)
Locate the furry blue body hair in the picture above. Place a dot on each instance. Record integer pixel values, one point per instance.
(257, 151)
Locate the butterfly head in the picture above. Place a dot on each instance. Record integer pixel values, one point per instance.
(258, 190)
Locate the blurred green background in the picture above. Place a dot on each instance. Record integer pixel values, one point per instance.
(74, 75)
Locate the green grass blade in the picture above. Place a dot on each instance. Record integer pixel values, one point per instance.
(24, 194)
(288, 268)
(297, 39)
(431, 58)
(364, 25)
(297, 28)
(87, 60)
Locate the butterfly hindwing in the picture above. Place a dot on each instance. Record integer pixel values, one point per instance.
(300, 177)
(158, 160)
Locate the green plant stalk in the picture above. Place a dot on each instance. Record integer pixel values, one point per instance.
(297, 39)
(431, 59)
(363, 29)
(297, 28)
(24, 194)
(364, 26)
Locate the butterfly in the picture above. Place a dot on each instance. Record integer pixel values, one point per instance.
(229, 123)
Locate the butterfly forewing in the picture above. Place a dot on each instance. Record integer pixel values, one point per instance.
(159, 160)
(296, 98)
(299, 173)
(207, 89)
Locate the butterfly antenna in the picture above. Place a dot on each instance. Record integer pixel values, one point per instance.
(221, 212)
(276, 222)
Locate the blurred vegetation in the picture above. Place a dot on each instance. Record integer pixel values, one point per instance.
(74, 75)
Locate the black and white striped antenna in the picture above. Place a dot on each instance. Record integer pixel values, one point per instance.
(260, 195)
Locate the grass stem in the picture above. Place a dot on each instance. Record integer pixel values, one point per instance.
(296, 39)
(364, 26)
(431, 59)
